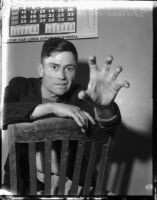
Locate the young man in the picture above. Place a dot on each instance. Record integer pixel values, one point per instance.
(55, 94)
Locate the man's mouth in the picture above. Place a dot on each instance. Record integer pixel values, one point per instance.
(61, 84)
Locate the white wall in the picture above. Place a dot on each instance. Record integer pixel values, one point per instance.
(129, 39)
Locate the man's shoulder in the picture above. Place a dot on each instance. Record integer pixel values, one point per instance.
(24, 82)
(24, 79)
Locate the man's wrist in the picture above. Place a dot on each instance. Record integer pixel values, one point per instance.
(104, 112)
(108, 117)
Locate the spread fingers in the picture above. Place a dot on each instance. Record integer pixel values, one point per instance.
(92, 63)
(120, 84)
(116, 72)
(108, 63)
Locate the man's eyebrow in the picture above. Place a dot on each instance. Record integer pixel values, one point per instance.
(53, 63)
(71, 65)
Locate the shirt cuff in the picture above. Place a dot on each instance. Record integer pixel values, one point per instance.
(110, 122)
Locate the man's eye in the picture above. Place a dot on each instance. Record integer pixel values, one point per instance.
(54, 67)
(70, 68)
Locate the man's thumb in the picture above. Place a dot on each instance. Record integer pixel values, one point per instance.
(82, 94)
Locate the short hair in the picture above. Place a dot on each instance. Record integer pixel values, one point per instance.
(57, 45)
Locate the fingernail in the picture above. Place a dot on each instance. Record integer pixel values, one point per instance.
(109, 59)
(92, 60)
(119, 69)
(127, 84)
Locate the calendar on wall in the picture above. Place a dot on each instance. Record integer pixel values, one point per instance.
(42, 21)
(39, 23)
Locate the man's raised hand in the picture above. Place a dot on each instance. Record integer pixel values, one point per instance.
(103, 85)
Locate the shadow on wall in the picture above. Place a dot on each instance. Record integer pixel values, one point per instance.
(128, 146)
(82, 75)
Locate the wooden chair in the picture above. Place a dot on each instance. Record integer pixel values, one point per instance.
(65, 130)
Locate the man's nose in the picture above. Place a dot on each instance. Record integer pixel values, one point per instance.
(61, 74)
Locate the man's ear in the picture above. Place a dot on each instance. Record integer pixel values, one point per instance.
(40, 69)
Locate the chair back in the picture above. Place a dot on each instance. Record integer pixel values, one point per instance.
(64, 130)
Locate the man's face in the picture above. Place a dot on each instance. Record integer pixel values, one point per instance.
(58, 72)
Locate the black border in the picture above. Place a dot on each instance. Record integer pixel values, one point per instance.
(155, 100)
(154, 135)
(30, 197)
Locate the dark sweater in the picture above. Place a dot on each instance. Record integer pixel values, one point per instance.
(22, 95)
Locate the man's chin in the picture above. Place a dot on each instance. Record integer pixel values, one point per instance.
(61, 92)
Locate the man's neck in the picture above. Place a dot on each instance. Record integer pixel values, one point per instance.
(48, 96)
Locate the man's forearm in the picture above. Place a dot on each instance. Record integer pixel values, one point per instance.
(42, 110)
